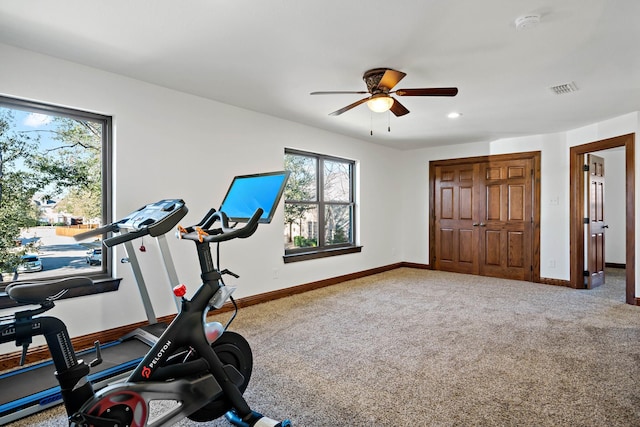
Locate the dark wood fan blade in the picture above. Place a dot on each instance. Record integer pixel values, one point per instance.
(398, 109)
(349, 107)
(432, 91)
(337, 92)
(390, 79)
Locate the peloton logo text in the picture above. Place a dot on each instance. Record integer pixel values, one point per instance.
(146, 371)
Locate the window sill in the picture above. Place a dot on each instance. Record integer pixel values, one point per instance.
(304, 256)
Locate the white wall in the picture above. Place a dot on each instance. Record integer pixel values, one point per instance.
(173, 145)
(615, 205)
(554, 227)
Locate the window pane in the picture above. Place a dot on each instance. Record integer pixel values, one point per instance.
(51, 177)
(302, 182)
(337, 186)
(301, 226)
(338, 224)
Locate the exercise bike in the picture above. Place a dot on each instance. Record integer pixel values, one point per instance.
(200, 365)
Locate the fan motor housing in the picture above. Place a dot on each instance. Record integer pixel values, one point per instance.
(372, 79)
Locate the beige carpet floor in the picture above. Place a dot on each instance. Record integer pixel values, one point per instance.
(425, 348)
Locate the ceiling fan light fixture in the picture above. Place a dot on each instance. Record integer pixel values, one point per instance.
(380, 103)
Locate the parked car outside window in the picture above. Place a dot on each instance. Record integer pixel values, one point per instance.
(94, 257)
(30, 263)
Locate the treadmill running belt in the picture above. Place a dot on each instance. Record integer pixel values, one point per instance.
(37, 385)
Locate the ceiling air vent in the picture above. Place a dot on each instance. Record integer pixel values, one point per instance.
(564, 88)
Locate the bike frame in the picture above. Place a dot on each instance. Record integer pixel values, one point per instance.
(195, 382)
(207, 379)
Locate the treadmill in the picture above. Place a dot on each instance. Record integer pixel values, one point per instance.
(31, 389)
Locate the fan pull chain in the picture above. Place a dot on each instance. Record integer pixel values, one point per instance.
(371, 122)
(388, 121)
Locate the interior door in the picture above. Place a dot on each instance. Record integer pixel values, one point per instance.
(595, 224)
(456, 213)
(506, 219)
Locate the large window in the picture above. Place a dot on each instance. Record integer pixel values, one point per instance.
(319, 206)
(54, 183)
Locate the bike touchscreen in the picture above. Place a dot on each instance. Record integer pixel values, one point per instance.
(250, 192)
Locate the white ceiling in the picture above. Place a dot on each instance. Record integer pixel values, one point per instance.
(268, 55)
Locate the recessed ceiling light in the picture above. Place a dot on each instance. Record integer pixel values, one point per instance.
(454, 115)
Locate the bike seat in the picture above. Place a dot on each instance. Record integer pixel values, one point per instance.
(44, 290)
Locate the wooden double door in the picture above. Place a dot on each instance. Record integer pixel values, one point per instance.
(484, 216)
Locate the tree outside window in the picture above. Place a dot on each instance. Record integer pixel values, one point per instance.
(53, 175)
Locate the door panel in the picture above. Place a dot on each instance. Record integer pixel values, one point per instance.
(516, 172)
(493, 247)
(446, 245)
(493, 202)
(493, 173)
(456, 237)
(506, 229)
(446, 206)
(596, 226)
(467, 246)
(515, 204)
(466, 203)
(515, 247)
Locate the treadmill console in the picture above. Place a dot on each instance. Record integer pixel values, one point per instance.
(156, 218)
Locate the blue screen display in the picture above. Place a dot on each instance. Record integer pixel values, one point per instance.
(250, 192)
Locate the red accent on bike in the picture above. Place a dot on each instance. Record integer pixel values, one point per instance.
(180, 290)
(146, 372)
(122, 402)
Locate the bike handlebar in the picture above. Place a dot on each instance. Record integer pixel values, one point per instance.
(224, 233)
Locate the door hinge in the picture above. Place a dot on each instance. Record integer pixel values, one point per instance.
(586, 220)
(585, 168)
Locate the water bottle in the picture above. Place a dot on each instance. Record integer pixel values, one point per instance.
(213, 330)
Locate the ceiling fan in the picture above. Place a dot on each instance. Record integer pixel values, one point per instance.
(379, 83)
